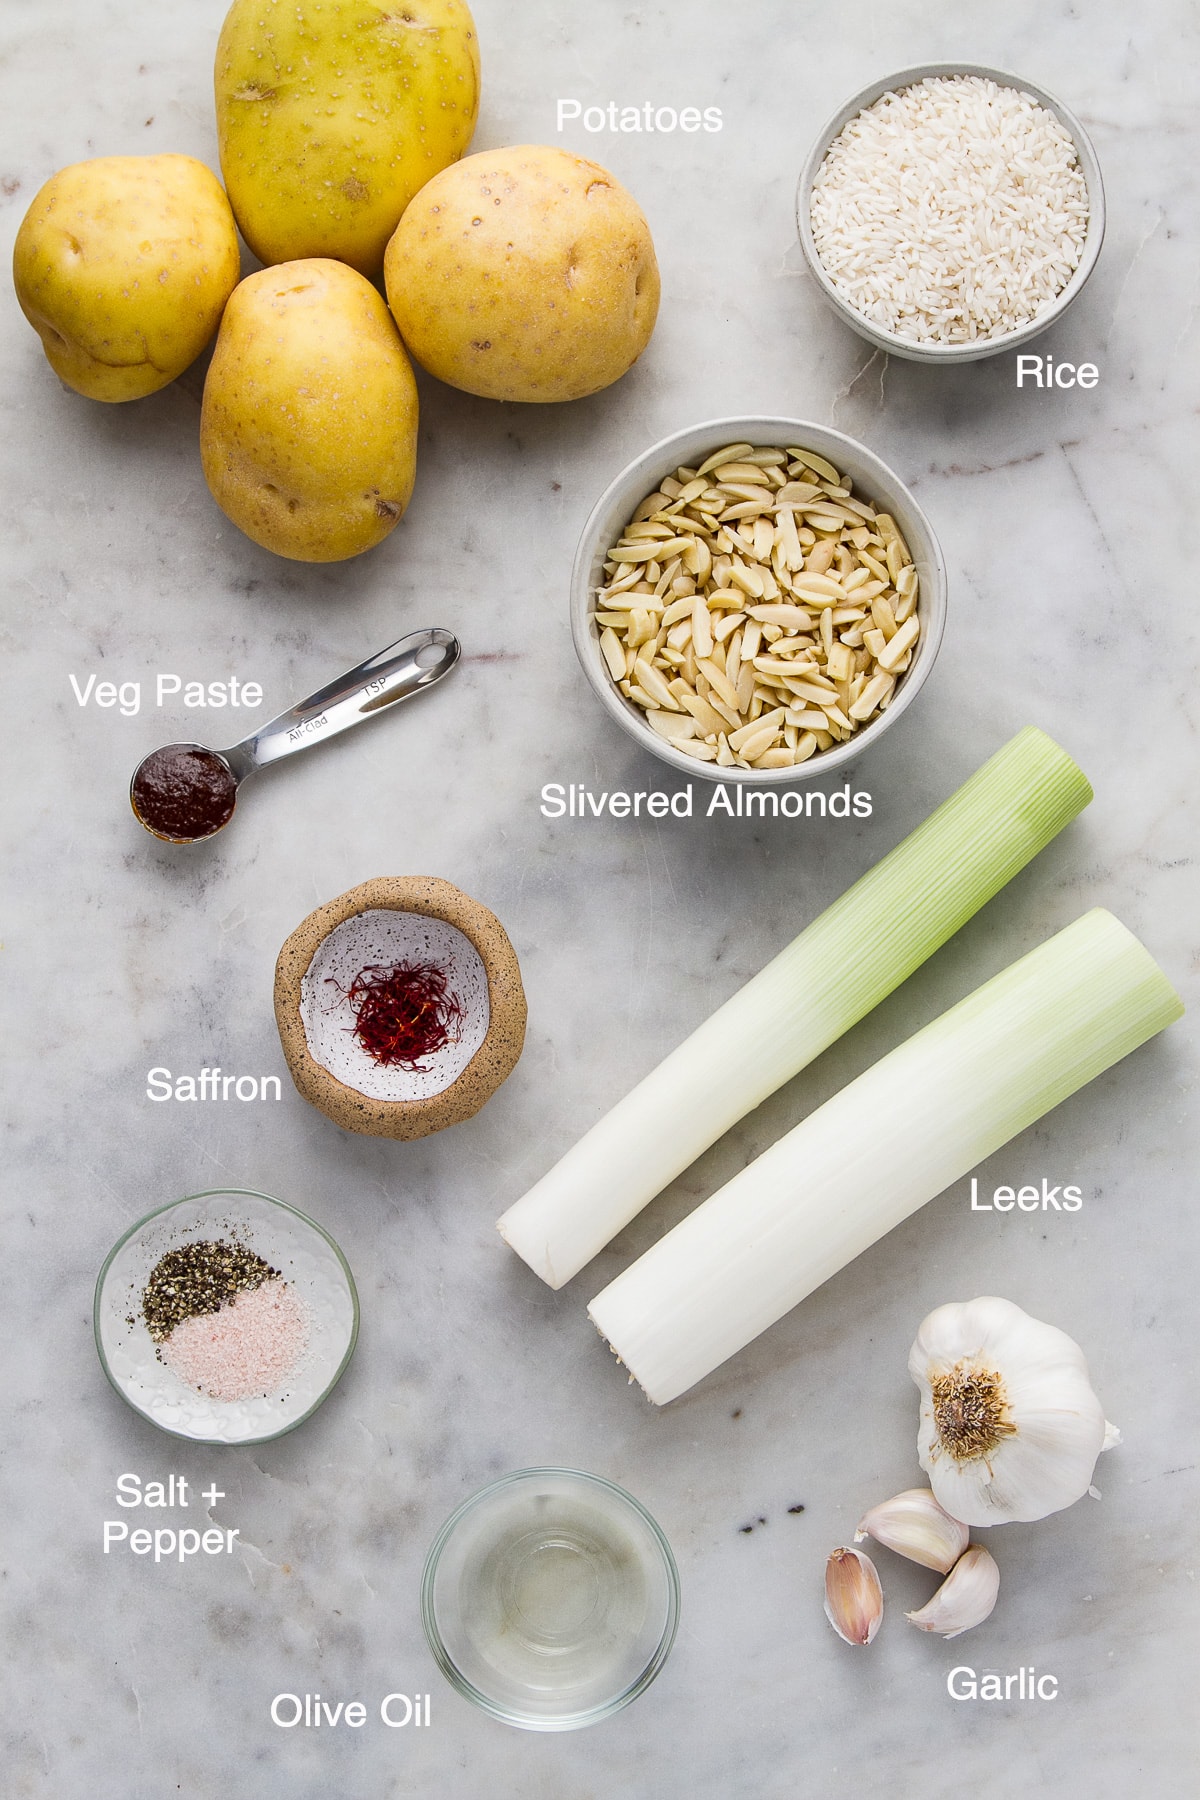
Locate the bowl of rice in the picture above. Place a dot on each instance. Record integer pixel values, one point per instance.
(950, 212)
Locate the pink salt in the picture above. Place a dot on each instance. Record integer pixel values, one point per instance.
(248, 1348)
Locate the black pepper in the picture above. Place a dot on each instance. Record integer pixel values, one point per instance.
(198, 1278)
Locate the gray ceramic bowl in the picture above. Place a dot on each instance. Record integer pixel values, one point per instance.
(873, 481)
(305, 1255)
(952, 353)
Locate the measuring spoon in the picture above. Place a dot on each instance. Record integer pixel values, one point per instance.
(185, 792)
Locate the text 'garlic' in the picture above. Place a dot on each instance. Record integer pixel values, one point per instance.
(965, 1599)
(853, 1596)
(1010, 1428)
(914, 1525)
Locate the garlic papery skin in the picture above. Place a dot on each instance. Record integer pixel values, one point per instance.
(914, 1525)
(966, 1597)
(853, 1596)
(1010, 1427)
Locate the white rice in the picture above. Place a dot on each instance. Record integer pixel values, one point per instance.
(951, 211)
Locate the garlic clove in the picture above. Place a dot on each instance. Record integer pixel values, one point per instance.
(914, 1525)
(853, 1596)
(965, 1598)
(1010, 1427)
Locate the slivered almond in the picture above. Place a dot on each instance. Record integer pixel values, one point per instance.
(672, 725)
(877, 689)
(791, 618)
(614, 655)
(701, 627)
(883, 615)
(731, 453)
(744, 480)
(651, 504)
(823, 696)
(790, 549)
(741, 509)
(717, 679)
(679, 609)
(762, 736)
(706, 716)
(903, 641)
(749, 580)
(653, 682)
(739, 739)
(811, 461)
(697, 559)
(633, 552)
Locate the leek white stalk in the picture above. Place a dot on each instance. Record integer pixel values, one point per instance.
(915, 1122)
(845, 963)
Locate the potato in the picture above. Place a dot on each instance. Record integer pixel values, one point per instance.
(308, 431)
(524, 274)
(122, 266)
(332, 114)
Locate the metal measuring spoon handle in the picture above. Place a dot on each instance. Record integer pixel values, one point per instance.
(406, 667)
(184, 793)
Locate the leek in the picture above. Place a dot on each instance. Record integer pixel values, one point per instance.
(845, 963)
(882, 1147)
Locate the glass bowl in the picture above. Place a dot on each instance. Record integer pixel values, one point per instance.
(306, 1257)
(977, 348)
(873, 481)
(550, 1599)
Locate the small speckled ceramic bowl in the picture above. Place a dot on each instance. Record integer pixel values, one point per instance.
(304, 1255)
(396, 919)
(976, 349)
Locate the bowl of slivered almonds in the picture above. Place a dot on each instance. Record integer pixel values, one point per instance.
(757, 600)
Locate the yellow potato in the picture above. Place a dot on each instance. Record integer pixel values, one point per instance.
(308, 432)
(332, 114)
(123, 266)
(524, 274)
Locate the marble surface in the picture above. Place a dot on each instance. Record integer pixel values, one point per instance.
(1065, 521)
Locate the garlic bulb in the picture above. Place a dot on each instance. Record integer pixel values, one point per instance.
(1010, 1427)
(853, 1596)
(914, 1525)
(965, 1598)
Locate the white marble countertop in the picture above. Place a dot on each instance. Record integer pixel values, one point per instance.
(1065, 520)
